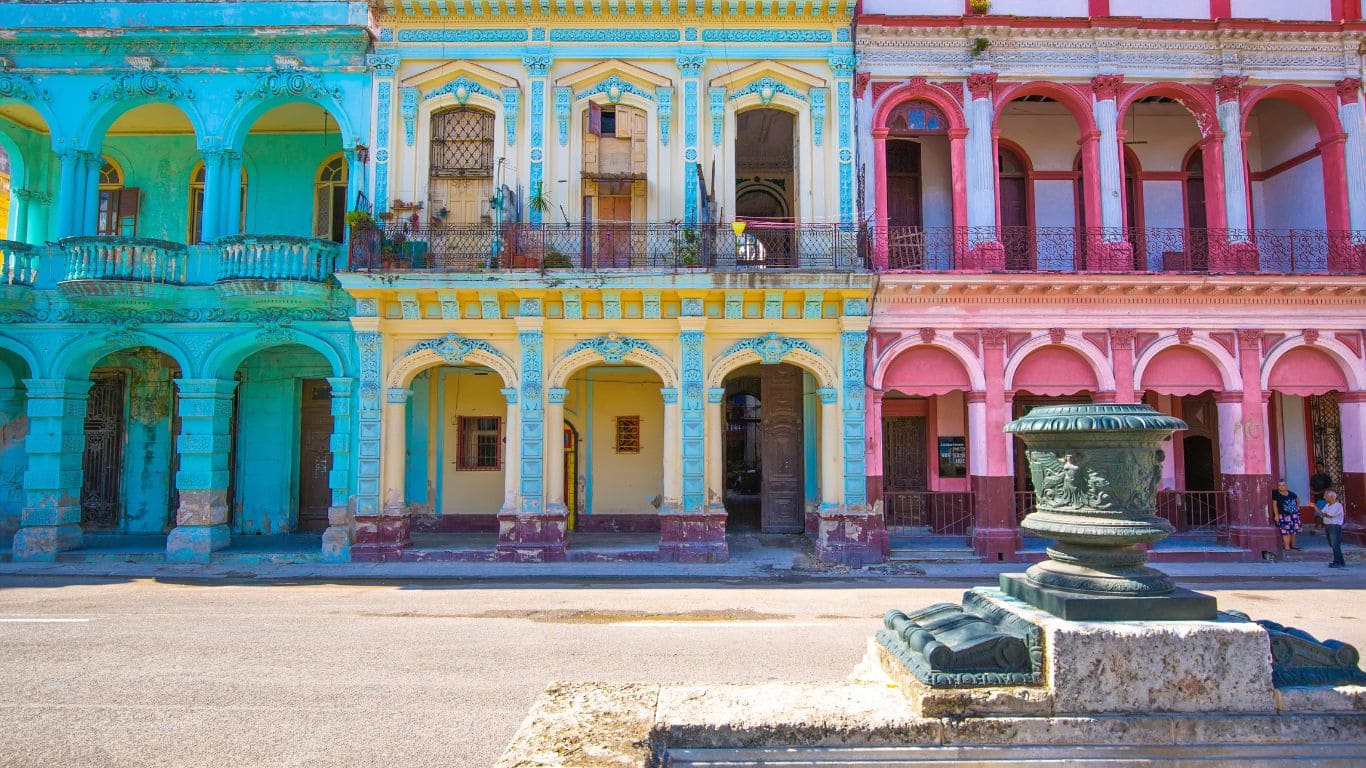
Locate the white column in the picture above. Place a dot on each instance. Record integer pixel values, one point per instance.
(512, 451)
(1235, 176)
(832, 479)
(395, 448)
(1354, 124)
(715, 453)
(554, 447)
(1110, 182)
(981, 155)
(673, 468)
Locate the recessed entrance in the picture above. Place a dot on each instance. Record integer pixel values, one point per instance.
(765, 473)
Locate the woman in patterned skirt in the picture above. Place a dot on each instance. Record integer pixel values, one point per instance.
(1287, 514)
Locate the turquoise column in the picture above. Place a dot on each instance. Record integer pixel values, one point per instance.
(852, 344)
(693, 412)
(232, 213)
(91, 163)
(68, 198)
(50, 520)
(205, 408)
(690, 67)
(212, 220)
(384, 66)
(537, 69)
(341, 525)
(531, 339)
(843, 66)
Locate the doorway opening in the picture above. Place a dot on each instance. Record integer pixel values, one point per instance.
(766, 184)
(764, 449)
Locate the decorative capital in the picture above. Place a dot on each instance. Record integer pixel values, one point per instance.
(927, 335)
(537, 64)
(1122, 338)
(994, 338)
(1311, 335)
(670, 395)
(509, 394)
(828, 395)
(1250, 339)
(1106, 87)
(843, 64)
(397, 395)
(1184, 335)
(981, 84)
(690, 65)
(1056, 335)
(1229, 88)
(715, 395)
(861, 81)
(383, 64)
(556, 395)
(1348, 89)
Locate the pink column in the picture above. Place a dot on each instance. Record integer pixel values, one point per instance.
(880, 190)
(1212, 163)
(996, 536)
(873, 454)
(1091, 258)
(958, 159)
(1352, 413)
(1244, 456)
(1122, 357)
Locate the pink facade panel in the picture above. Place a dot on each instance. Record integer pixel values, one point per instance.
(925, 371)
(1181, 371)
(1307, 371)
(1053, 371)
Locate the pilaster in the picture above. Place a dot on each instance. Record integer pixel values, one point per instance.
(538, 68)
(843, 67)
(341, 520)
(983, 241)
(50, 520)
(690, 68)
(996, 536)
(205, 409)
(385, 67)
(1353, 119)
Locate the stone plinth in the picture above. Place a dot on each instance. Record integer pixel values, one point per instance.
(693, 537)
(533, 537)
(853, 536)
(1178, 605)
(383, 537)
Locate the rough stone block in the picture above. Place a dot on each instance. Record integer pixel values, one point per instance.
(195, 543)
(1341, 698)
(577, 725)
(42, 543)
(852, 536)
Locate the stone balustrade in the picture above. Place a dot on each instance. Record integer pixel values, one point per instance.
(276, 257)
(133, 259)
(18, 263)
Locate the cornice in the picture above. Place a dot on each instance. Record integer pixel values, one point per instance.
(1035, 289)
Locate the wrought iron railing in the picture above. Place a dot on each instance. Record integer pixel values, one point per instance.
(1149, 249)
(276, 257)
(928, 511)
(18, 263)
(1194, 511)
(135, 259)
(1024, 504)
(606, 246)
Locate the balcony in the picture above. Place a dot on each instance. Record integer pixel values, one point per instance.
(278, 271)
(122, 272)
(598, 247)
(1146, 250)
(18, 272)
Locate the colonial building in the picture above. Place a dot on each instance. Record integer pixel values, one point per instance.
(1114, 209)
(176, 365)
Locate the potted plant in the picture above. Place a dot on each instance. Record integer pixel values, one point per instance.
(360, 220)
(687, 247)
(979, 7)
(538, 201)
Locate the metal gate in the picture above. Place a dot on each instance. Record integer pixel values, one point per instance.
(315, 454)
(102, 464)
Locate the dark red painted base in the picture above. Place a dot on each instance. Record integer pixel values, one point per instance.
(1354, 489)
(851, 536)
(455, 523)
(532, 538)
(996, 537)
(1250, 526)
(697, 537)
(381, 538)
(617, 523)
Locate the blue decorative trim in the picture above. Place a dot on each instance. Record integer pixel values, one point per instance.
(817, 115)
(669, 394)
(383, 64)
(511, 96)
(537, 64)
(716, 98)
(766, 88)
(462, 36)
(461, 88)
(613, 348)
(613, 35)
(538, 34)
(533, 421)
(842, 35)
(386, 34)
(613, 87)
(368, 424)
(693, 414)
(844, 96)
(408, 109)
(852, 344)
(690, 34)
(715, 395)
(770, 348)
(452, 348)
(563, 97)
(664, 111)
(767, 36)
(383, 101)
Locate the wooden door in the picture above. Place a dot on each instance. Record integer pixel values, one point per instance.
(1197, 222)
(903, 453)
(102, 464)
(614, 232)
(904, 206)
(315, 454)
(783, 506)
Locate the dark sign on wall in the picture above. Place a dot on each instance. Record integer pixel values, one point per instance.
(953, 457)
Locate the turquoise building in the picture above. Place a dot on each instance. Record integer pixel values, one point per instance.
(175, 358)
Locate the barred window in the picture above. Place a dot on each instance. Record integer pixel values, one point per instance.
(481, 443)
(628, 434)
(462, 143)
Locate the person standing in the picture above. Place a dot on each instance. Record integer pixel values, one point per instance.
(1287, 514)
(1333, 515)
(1319, 483)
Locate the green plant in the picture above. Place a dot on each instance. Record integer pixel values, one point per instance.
(979, 6)
(538, 201)
(979, 45)
(360, 220)
(687, 248)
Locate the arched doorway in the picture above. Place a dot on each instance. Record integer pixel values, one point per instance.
(14, 428)
(919, 186)
(766, 448)
(1013, 186)
(766, 185)
(329, 199)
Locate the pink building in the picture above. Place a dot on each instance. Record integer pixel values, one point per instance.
(1100, 207)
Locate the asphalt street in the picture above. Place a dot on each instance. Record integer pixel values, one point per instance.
(430, 673)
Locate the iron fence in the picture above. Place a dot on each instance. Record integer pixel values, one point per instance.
(933, 511)
(1024, 504)
(1194, 511)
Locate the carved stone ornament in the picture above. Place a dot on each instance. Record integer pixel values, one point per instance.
(770, 348)
(1057, 335)
(451, 348)
(981, 84)
(1095, 471)
(1106, 87)
(1184, 335)
(290, 81)
(1311, 335)
(1229, 88)
(973, 645)
(927, 335)
(1300, 659)
(1348, 89)
(994, 337)
(1122, 338)
(613, 347)
(137, 83)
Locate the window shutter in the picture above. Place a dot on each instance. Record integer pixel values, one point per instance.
(322, 214)
(590, 151)
(638, 147)
(594, 119)
(128, 198)
(624, 125)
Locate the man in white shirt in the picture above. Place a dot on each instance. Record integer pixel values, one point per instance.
(1333, 515)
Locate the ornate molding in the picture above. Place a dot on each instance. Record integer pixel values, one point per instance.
(981, 85)
(128, 85)
(383, 64)
(461, 89)
(288, 81)
(771, 348)
(1106, 87)
(766, 88)
(22, 87)
(1228, 88)
(1348, 89)
(613, 347)
(614, 87)
(452, 348)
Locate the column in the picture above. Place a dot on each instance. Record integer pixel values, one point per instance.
(211, 220)
(341, 521)
(538, 68)
(1122, 355)
(1244, 452)
(832, 478)
(882, 226)
(985, 251)
(512, 450)
(1352, 413)
(997, 534)
(383, 530)
(1111, 251)
(69, 198)
(690, 68)
(716, 459)
(1241, 256)
(1353, 116)
(554, 448)
(673, 469)
(205, 409)
(22, 200)
(91, 163)
(50, 520)
(536, 530)
(232, 215)
(843, 67)
(384, 67)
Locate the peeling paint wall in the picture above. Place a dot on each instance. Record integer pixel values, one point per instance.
(148, 460)
(13, 431)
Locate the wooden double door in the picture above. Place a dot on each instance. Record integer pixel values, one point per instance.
(766, 438)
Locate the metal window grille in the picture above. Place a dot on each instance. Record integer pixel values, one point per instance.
(481, 441)
(628, 434)
(462, 143)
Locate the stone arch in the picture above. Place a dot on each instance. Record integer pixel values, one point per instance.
(1195, 101)
(1335, 350)
(1068, 97)
(251, 109)
(772, 348)
(1315, 104)
(18, 88)
(451, 349)
(1072, 342)
(919, 91)
(21, 350)
(75, 359)
(109, 108)
(960, 351)
(1224, 363)
(228, 355)
(611, 349)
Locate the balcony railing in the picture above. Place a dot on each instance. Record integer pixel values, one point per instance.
(1024, 505)
(18, 263)
(1152, 249)
(276, 257)
(606, 247)
(132, 259)
(1194, 511)
(931, 511)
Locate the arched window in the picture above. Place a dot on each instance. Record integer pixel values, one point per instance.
(118, 204)
(329, 199)
(460, 168)
(196, 228)
(917, 118)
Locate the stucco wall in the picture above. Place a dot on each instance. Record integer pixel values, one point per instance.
(13, 431)
(1303, 10)
(1293, 198)
(468, 393)
(619, 483)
